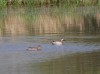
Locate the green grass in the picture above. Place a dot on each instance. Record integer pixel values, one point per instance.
(35, 3)
(3, 3)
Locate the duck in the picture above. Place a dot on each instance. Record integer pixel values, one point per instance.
(34, 48)
(58, 42)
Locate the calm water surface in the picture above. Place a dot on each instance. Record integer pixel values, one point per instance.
(79, 54)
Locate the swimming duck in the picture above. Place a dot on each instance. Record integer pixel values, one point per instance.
(58, 42)
(34, 48)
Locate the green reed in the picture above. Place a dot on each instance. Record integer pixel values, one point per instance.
(3, 3)
(36, 3)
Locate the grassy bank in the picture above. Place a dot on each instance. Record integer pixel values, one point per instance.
(36, 3)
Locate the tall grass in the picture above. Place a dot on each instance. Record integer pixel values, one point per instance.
(3, 3)
(35, 3)
(98, 3)
(45, 20)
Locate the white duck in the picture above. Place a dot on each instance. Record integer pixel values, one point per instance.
(58, 42)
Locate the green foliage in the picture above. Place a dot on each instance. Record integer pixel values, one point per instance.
(36, 3)
(3, 3)
(98, 3)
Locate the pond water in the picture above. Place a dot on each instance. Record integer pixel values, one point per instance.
(77, 53)
(24, 27)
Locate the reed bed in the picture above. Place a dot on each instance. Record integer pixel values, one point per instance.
(43, 24)
(39, 3)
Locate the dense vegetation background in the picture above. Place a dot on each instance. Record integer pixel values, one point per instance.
(49, 16)
(35, 3)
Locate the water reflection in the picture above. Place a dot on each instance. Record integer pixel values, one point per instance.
(82, 63)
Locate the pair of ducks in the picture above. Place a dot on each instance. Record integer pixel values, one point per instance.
(39, 46)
